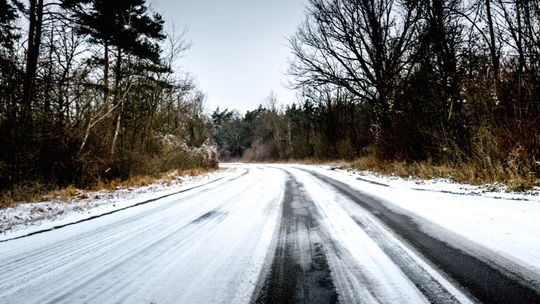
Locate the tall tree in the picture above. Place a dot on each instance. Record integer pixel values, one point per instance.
(126, 25)
(8, 16)
(493, 49)
(35, 31)
(441, 38)
(9, 83)
(361, 45)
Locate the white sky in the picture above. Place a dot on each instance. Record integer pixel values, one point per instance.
(239, 50)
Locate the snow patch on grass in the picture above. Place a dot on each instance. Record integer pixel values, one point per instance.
(441, 185)
(27, 218)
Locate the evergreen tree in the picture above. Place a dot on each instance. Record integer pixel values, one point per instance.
(8, 16)
(130, 28)
(125, 24)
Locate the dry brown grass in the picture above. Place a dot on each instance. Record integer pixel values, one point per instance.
(146, 180)
(6, 201)
(36, 193)
(465, 173)
(60, 194)
(134, 182)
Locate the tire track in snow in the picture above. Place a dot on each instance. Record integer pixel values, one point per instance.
(330, 245)
(487, 282)
(315, 263)
(299, 271)
(95, 237)
(72, 249)
(120, 209)
(114, 261)
(312, 265)
(433, 290)
(113, 273)
(364, 259)
(432, 285)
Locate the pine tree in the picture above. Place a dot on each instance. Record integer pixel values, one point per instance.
(126, 25)
(8, 16)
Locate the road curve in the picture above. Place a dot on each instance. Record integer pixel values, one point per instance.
(265, 234)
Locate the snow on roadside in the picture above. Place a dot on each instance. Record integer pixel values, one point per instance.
(27, 218)
(497, 191)
(505, 223)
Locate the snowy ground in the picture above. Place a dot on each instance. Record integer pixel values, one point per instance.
(497, 191)
(31, 217)
(282, 233)
(507, 223)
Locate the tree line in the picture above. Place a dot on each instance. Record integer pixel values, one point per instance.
(308, 130)
(89, 92)
(444, 81)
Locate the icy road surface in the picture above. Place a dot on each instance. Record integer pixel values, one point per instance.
(270, 234)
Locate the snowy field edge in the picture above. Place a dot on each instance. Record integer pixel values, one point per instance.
(29, 218)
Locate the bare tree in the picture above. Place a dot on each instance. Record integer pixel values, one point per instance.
(35, 27)
(364, 46)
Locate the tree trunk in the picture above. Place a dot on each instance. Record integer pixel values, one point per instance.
(117, 103)
(24, 160)
(35, 26)
(106, 76)
(492, 43)
(117, 129)
(383, 127)
(117, 74)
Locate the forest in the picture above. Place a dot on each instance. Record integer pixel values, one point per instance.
(90, 92)
(442, 86)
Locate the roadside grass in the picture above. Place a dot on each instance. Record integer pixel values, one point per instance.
(38, 192)
(512, 173)
(468, 173)
(6, 201)
(136, 181)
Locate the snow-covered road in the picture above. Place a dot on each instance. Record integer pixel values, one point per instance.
(264, 234)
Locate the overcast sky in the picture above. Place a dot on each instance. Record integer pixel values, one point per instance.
(239, 48)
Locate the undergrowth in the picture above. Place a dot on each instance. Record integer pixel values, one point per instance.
(38, 192)
(469, 173)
